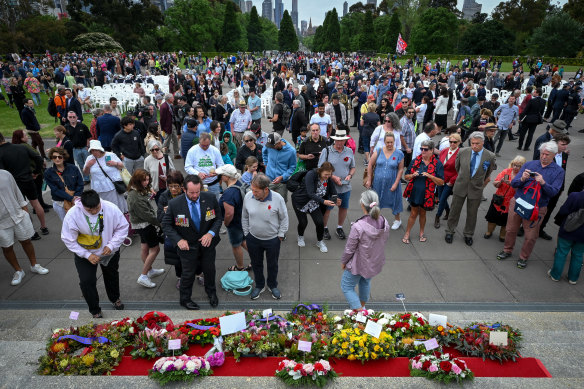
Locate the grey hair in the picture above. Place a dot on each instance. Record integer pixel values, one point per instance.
(477, 135)
(261, 181)
(249, 134)
(370, 201)
(168, 96)
(296, 102)
(153, 143)
(106, 108)
(395, 123)
(550, 146)
(279, 96)
(204, 136)
(97, 112)
(428, 143)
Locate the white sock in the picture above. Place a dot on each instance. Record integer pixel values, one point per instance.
(341, 227)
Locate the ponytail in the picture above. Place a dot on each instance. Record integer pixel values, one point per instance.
(370, 202)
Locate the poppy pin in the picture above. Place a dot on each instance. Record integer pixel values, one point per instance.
(269, 207)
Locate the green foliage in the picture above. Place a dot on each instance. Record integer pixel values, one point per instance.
(488, 37)
(367, 39)
(270, 34)
(547, 39)
(96, 41)
(333, 32)
(231, 31)
(435, 32)
(390, 32)
(255, 39)
(12, 12)
(287, 39)
(34, 34)
(575, 8)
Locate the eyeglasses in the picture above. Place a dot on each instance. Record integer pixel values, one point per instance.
(248, 140)
(174, 187)
(57, 157)
(453, 141)
(424, 148)
(157, 149)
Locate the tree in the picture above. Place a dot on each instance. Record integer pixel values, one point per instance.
(448, 4)
(575, 8)
(96, 41)
(287, 39)
(270, 34)
(391, 34)
(255, 39)
(488, 38)
(367, 36)
(333, 32)
(434, 32)
(318, 41)
(479, 18)
(11, 12)
(231, 30)
(548, 38)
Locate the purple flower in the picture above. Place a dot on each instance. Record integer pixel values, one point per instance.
(216, 359)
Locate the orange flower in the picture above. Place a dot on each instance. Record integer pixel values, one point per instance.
(440, 328)
(60, 346)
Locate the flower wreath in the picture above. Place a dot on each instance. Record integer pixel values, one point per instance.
(152, 343)
(183, 368)
(155, 321)
(354, 344)
(474, 341)
(440, 367)
(201, 331)
(300, 374)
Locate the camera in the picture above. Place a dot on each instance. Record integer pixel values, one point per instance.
(532, 174)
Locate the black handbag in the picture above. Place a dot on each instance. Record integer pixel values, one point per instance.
(498, 199)
(120, 186)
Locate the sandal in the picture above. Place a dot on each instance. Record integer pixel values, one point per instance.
(487, 235)
(235, 268)
(406, 240)
(248, 267)
(423, 238)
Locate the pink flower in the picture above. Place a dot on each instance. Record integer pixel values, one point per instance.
(456, 370)
(433, 368)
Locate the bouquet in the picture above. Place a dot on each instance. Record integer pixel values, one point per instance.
(126, 330)
(310, 319)
(152, 343)
(448, 335)
(354, 344)
(320, 345)
(254, 341)
(474, 341)
(155, 321)
(301, 374)
(201, 331)
(179, 369)
(407, 329)
(440, 367)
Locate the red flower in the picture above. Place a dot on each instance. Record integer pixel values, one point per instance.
(394, 158)
(460, 363)
(163, 164)
(324, 184)
(426, 365)
(446, 366)
(318, 366)
(298, 367)
(281, 365)
(269, 207)
(346, 159)
(169, 327)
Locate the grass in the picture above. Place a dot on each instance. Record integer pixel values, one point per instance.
(10, 119)
(506, 67)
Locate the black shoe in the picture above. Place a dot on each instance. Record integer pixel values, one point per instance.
(98, 315)
(36, 236)
(487, 236)
(468, 240)
(545, 235)
(44, 231)
(437, 222)
(447, 214)
(213, 300)
(47, 209)
(191, 305)
(581, 131)
(503, 255)
(341, 234)
(47, 206)
(522, 264)
(361, 151)
(519, 148)
(409, 208)
(118, 305)
(403, 181)
(527, 149)
(521, 232)
(326, 235)
(448, 238)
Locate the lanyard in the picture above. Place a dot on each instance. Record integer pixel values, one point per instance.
(95, 227)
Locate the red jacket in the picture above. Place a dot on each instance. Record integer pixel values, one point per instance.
(450, 172)
(166, 117)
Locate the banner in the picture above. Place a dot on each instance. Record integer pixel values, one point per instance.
(401, 45)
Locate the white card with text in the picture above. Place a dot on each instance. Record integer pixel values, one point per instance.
(232, 323)
(498, 338)
(174, 344)
(372, 328)
(437, 320)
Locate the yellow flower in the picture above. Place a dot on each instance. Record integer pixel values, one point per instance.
(373, 356)
(60, 346)
(376, 348)
(345, 345)
(361, 343)
(88, 359)
(114, 353)
(335, 341)
(351, 357)
(357, 332)
(352, 350)
(440, 328)
(64, 363)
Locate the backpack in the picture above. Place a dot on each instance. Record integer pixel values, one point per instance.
(233, 281)
(527, 204)
(243, 189)
(52, 108)
(574, 220)
(286, 113)
(295, 180)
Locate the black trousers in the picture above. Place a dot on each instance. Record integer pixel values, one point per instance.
(317, 217)
(529, 129)
(257, 248)
(198, 257)
(550, 207)
(88, 281)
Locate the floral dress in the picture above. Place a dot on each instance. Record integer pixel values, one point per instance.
(312, 204)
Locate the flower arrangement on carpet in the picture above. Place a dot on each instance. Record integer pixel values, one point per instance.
(152, 343)
(201, 331)
(179, 369)
(295, 373)
(440, 367)
(354, 344)
(475, 342)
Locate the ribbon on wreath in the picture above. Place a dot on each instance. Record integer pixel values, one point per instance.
(272, 318)
(310, 307)
(198, 327)
(493, 327)
(81, 339)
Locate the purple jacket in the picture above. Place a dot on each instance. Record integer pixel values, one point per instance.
(364, 253)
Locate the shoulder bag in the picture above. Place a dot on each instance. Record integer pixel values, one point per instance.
(91, 242)
(120, 186)
(67, 205)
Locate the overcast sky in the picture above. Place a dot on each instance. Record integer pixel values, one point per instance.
(318, 8)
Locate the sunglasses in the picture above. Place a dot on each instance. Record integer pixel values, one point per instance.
(453, 141)
(157, 149)
(248, 140)
(57, 157)
(424, 148)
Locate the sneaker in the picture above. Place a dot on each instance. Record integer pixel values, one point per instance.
(223, 230)
(44, 231)
(572, 282)
(36, 236)
(155, 272)
(38, 269)
(322, 246)
(127, 242)
(200, 279)
(522, 264)
(341, 234)
(276, 293)
(327, 235)
(396, 224)
(118, 305)
(503, 255)
(301, 242)
(145, 282)
(98, 315)
(17, 278)
(255, 294)
(550, 275)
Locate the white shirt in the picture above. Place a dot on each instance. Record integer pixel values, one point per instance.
(444, 143)
(377, 138)
(420, 112)
(240, 121)
(418, 143)
(202, 161)
(99, 182)
(558, 159)
(322, 121)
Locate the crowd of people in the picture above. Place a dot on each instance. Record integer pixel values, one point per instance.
(117, 177)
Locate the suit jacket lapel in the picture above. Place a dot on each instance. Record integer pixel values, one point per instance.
(203, 208)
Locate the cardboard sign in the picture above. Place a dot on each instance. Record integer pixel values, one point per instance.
(74, 315)
(498, 338)
(400, 296)
(360, 318)
(304, 346)
(232, 323)
(437, 320)
(431, 344)
(372, 328)
(267, 312)
(174, 344)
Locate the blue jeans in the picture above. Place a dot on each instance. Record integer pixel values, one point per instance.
(36, 98)
(348, 283)
(443, 192)
(80, 155)
(562, 250)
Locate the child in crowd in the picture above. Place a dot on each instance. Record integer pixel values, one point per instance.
(302, 137)
(251, 169)
(225, 154)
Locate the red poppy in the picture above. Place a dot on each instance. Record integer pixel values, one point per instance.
(163, 163)
(446, 366)
(324, 184)
(269, 207)
(346, 159)
(394, 158)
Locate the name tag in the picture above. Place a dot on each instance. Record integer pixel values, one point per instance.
(210, 215)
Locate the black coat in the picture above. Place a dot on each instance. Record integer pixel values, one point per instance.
(29, 119)
(533, 112)
(307, 190)
(75, 105)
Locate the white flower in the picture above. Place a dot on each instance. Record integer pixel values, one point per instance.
(403, 329)
(57, 330)
(159, 363)
(308, 368)
(348, 312)
(197, 363)
(339, 326)
(178, 364)
(131, 330)
(392, 323)
(190, 366)
(165, 366)
(382, 321)
(325, 364)
(337, 319)
(207, 366)
(113, 323)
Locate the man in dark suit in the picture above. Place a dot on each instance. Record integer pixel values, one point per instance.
(166, 124)
(297, 121)
(73, 104)
(192, 222)
(561, 159)
(557, 127)
(531, 116)
(474, 165)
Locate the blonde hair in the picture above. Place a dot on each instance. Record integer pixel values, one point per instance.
(518, 159)
(371, 107)
(455, 136)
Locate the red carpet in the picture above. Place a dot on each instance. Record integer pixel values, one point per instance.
(396, 367)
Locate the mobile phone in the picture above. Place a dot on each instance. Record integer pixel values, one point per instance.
(506, 177)
(334, 198)
(108, 158)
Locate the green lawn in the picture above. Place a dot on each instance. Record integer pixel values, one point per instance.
(10, 120)
(505, 66)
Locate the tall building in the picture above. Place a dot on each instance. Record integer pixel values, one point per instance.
(278, 12)
(163, 4)
(248, 5)
(374, 2)
(267, 10)
(345, 8)
(295, 14)
(470, 8)
(303, 27)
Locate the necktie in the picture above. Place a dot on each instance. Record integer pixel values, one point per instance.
(195, 216)
(473, 160)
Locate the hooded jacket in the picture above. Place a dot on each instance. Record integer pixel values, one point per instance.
(364, 252)
(231, 145)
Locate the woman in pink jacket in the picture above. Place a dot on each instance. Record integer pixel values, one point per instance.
(364, 254)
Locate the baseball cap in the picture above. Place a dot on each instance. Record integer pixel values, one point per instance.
(228, 170)
(273, 139)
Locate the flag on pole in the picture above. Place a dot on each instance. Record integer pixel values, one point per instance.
(401, 45)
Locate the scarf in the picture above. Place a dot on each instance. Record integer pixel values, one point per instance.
(430, 185)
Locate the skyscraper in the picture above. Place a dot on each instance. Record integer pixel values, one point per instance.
(345, 8)
(278, 12)
(303, 27)
(267, 10)
(248, 5)
(295, 14)
(374, 2)
(470, 8)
